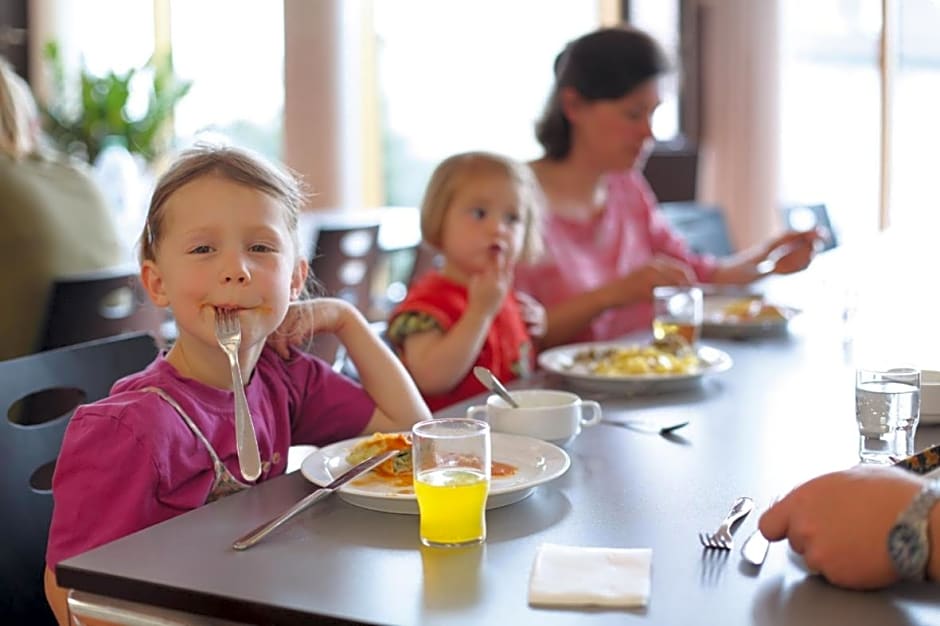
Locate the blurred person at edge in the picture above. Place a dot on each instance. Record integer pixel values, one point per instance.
(608, 242)
(54, 220)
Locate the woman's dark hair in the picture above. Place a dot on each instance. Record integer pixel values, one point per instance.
(605, 64)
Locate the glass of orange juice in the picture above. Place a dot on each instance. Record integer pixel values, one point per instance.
(452, 479)
(677, 310)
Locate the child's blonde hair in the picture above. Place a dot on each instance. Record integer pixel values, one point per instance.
(462, 168)
(234, 164)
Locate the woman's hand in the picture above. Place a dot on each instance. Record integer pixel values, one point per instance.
(798, 249)
(840, 522)
(306, 318)
(660, 270)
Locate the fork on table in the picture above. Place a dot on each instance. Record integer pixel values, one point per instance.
(721, 539)
(228, 332)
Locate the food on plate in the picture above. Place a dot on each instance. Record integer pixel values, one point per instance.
(383, 442)
(634, 360)
(751, 310)
(398, 470)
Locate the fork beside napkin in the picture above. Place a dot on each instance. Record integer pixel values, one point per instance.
(589, 576)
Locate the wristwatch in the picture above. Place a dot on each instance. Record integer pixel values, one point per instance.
(908, 544)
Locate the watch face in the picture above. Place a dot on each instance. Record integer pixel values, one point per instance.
(908, 551)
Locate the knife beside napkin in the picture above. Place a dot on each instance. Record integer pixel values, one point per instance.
(259, 533)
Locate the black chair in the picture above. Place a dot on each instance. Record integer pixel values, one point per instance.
(100, 304)
(38, 394)
(807, 217)
(344, 263)
(702, 225)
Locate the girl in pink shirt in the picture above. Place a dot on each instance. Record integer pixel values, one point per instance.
(221, 234)
(608, 245)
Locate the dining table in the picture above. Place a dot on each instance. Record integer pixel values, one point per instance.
(781, 414)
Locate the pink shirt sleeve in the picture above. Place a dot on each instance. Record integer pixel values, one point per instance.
(104, 487)
(665, 240)
(327, 406)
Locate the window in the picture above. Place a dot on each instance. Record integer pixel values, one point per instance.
(237, 69)
(830, 110)
(481, 86)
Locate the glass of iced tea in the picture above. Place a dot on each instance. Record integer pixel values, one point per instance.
(452, 479)
(677, 311)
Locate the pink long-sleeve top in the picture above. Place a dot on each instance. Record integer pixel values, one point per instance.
(583, 255)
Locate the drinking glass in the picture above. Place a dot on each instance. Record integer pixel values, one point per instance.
(452, 479)
(887, 408)
(677, 311)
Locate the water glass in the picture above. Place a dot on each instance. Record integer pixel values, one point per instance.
(677, 311)
(887, 408)
(452, 480)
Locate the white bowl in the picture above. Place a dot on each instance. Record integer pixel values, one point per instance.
(929, 397)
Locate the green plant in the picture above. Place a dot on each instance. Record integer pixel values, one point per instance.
(81, 125)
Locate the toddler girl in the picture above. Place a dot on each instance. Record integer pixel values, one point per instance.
(479, 210)
(221, 233)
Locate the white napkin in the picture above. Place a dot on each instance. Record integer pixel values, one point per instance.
(579, 576)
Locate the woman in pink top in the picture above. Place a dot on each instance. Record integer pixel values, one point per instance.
(607, 243)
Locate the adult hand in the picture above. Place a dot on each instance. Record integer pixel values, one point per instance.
(487, 289)
(533, 314)
(799, 246)
(658, 271)
(839, 522)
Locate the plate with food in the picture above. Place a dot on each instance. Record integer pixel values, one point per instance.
(744, 317)
(632, 369)
(519, 465)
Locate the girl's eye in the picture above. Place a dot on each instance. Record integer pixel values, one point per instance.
(201, 250)
(478, 212)
(513, 218)
(261, 247)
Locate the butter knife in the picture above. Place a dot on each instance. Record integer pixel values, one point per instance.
(755, 548)
(259, 533)
(756, 545)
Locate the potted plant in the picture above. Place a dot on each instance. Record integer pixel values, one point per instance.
(82, 126)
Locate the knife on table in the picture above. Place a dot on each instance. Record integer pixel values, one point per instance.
(259, 533)
(756, 545)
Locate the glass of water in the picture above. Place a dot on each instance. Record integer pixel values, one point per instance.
(887, 408)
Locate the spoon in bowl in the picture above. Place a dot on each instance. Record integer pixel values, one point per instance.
(492, 383)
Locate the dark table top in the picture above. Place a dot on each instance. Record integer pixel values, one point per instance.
(783, 413)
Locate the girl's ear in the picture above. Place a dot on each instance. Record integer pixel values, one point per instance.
(298, 279)
(152, 281)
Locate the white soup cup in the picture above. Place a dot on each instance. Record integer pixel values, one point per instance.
(555, 416)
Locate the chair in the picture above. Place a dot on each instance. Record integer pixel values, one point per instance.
(100, 304)
(807, 217)
(426, 259)
(702, 225)
(344, 263)
(38, 394)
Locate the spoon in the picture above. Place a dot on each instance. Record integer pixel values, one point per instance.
(492, 383)
(647, 426)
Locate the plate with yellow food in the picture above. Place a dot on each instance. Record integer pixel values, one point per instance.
(519, 465)
(744, 317)
(632, 368)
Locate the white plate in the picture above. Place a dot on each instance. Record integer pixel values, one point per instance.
(560, 360)
(716, 324)
(537, 462)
